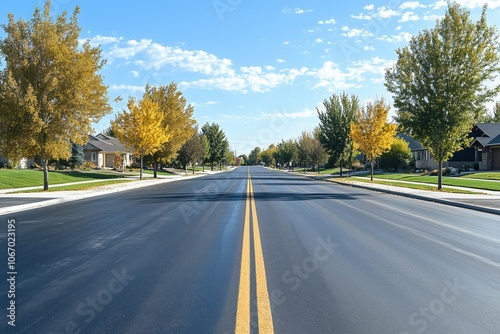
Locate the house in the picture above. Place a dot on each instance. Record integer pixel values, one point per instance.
(101, 151)
(484, 150)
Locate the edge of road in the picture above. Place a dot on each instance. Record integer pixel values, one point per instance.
(62, 196)
(410, 194)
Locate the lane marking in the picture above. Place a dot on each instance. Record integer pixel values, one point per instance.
(243, 315)
(243, 309)
(263, 303)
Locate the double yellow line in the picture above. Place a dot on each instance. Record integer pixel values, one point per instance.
(263, 304)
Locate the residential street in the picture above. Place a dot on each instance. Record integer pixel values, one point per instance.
(194, 256)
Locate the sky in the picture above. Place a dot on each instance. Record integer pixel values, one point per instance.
(258, 68)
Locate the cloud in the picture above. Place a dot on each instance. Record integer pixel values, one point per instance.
(129, 49)
(440, 4)
(279, 60)
(351, 33)
(130, 88)
(471, 4)
(319, 40)
(402, 37)
(369, 7)
(135, 74)
(101, 40)
(386, 13)
(368, 48)
(412, 5)
(296, 11)
(362, 16)
(409, 16)
(330, 21)
(433, 17)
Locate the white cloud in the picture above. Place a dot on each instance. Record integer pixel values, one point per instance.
(433, 17)
(362, 16)
(129, 49)
(130, 88)
(330, 21)
(386, 13)
(369, 7)
(135, 74)
(440, 4)
(412, 5)
(369, 48)
(296, 11)
(212, 103)
(402, 37)
(222, 83)
(409, 16)
(351, 33)
(101, 40)
(319, 40)
(471, 4)
(286, 42)
(279, 60)
(398, 28)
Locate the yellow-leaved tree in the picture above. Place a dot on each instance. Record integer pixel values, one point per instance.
(372, 134)
(50, 87)
(141, 128)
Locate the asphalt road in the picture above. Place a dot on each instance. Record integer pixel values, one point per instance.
(172, 259)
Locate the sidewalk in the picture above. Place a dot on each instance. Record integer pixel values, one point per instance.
(11, 203)
(485, 201)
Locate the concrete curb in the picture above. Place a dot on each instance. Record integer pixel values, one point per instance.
(414, 196)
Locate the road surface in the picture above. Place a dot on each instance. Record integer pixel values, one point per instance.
(252, 250)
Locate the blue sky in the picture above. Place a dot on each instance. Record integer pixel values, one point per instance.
(258, 68)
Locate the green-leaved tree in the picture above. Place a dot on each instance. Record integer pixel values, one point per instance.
(438, 81)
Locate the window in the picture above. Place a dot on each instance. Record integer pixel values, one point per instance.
(94, 156)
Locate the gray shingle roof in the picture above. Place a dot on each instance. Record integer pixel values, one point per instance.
(105, 143)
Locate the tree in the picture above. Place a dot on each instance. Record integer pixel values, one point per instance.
(217, 142)
(254, 156)
(50, 89)
(244, 159)
(438, 81)
(495, 116)
(141, 128)
(109, 132)
(267, 156)
(77, 156)
(334, 126)
(318, 154)
(399, 155)
(287, 153)
(304, 144)
(178, 120)
(372, 134)
(192, 151)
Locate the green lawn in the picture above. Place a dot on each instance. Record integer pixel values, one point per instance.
(407, 185)
(449, 181)
(19, 178)
(84, 186)
(483, 176)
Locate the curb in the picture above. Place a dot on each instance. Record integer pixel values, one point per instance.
(414, 196)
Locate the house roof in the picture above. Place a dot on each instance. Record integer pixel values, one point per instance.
(491, 130)
(491, 134)
(412, 143)
(105, 143)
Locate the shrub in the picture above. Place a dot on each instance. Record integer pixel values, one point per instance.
(476, 166)
(88, 165)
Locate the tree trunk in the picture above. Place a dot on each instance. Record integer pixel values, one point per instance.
(350, 161)
(192, 165)
(45, 174)
(155, 166)
(440, 175)
(341, 161)
(372, 164)
(203, 166)
(140, 173)
(186, 169)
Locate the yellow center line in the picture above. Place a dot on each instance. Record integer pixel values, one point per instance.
(263, 304)
(243, 310)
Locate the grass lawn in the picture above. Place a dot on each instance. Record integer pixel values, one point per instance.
(483, 175)
(449, 181)
(407, 185)
(85, 186)
(18, 178)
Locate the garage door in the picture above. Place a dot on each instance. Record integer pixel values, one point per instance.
(496, 158)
